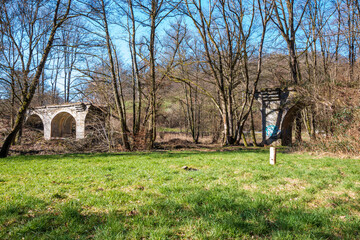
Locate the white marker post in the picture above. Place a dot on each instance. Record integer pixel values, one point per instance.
(272, 155)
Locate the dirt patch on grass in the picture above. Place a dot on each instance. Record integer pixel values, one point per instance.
(128, 189)
(242, 175)
(287, 185)
(249, 187)
(295, 182)
(290, 184)
(177, 143)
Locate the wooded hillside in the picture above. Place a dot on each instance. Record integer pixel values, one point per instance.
(183, 66)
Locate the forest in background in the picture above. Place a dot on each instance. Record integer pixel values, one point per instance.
(186, 66)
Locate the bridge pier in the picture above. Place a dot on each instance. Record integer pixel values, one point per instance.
(278, 110)
(80, 125)
(47, 129)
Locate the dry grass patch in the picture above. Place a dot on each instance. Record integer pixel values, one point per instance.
(332, 199)
(290, 184)
(250, 187)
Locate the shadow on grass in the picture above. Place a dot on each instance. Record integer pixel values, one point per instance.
(28, 221)
(214, 214)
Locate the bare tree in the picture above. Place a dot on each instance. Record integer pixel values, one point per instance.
(155, 11)
(70, 39)
(350, 15)
(30, 15)
(288, 24)
(225, 29)
(127, 7)
(100, 10)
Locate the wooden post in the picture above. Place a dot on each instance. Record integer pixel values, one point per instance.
(272, 155)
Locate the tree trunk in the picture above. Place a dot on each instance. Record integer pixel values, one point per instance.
(313, 132)
(152, 121)
(244, 139)
(119, 105)
(298, 126)
(253, 136)
(16, 128)
(32, 88)
(135, 72)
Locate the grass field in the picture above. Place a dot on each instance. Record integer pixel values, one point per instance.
(232, 195)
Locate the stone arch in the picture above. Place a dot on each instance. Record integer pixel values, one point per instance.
(63, 124)
(33, 128)
(33, 120)
(287, 123)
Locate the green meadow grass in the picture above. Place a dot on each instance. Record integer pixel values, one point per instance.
(232, 195)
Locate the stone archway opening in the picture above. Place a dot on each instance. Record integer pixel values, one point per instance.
(63, 125)
(34, 122)
(33, 128)
(288, 122)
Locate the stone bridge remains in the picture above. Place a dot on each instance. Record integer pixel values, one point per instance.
(58, 120)
(279, 108)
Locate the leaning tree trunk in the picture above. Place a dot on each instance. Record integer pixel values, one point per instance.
(17, 126)
(32, 88)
